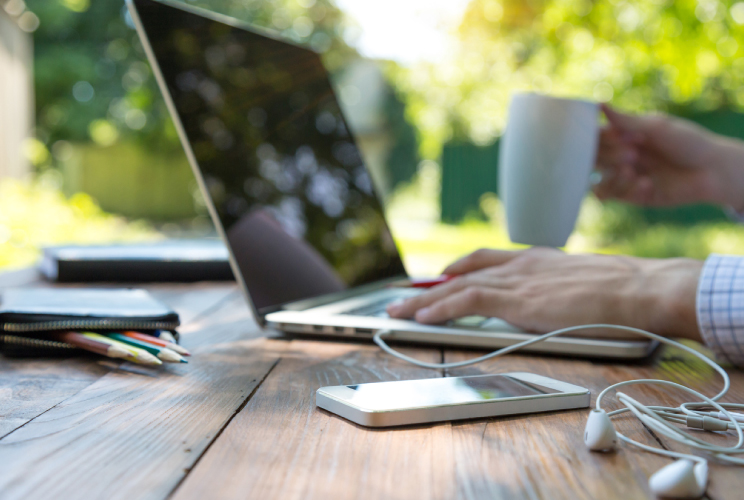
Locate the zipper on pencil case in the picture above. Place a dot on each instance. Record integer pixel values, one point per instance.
(34, 343)
(88, 325)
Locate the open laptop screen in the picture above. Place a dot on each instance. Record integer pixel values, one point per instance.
(282, 170)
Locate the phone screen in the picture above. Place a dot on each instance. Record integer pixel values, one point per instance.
(442, 391)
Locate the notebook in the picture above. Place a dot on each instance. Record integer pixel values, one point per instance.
(28, 315)
(172, 260)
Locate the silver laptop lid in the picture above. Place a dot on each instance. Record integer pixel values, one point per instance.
(280, 171)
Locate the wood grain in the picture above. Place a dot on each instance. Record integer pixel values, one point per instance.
(78, 428)
(133, 436)
(193, 301)
(29, 387)
(543, 456)
(70, 427)
(282, 446)
(726, 482)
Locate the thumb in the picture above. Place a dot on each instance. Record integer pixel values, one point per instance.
(625, 124)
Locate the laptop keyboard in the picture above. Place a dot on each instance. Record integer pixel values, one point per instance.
(375, 309)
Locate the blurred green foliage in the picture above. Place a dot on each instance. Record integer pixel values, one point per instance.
(136, 182)
(642, 55)
(682, 57)
(470, 170)
(93, 82)
(428, 245)
(93, 85)
(403, 157)
(36, 214)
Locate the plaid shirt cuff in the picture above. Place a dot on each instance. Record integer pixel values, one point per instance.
(720, 306)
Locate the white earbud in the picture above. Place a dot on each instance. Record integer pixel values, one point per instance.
(599, 434)
(680, 479)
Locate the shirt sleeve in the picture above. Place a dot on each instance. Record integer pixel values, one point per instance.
(720, 306)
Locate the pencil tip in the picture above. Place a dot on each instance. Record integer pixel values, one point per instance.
(148, 358)
(167, 336)
(117, 352)
(169, 356)
(180, 350)
(184, 360)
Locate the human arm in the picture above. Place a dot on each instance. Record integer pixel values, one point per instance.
(660, 160)
(543, 289)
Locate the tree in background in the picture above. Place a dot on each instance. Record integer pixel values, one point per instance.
(641, 55)
(94, 86)
(93, 83)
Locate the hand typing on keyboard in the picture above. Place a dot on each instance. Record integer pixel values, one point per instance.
(543, 289)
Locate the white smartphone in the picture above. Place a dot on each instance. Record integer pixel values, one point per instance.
(385, 404)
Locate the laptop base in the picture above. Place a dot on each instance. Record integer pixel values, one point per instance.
(458, 337)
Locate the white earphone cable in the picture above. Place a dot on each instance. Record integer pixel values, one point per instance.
(655, 417)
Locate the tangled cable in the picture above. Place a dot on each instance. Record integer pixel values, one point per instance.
(678, 480)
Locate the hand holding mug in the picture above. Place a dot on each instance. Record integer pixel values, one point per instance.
(659, 160)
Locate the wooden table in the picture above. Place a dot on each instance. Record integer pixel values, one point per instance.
(239, 421)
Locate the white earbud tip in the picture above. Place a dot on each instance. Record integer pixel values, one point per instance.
(701, 475)
(599, 434)
(681, 479)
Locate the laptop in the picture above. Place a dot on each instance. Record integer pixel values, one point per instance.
(287, 188)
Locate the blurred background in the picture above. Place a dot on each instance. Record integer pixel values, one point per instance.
(88, 153)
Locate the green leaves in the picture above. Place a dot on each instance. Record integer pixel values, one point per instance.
(642, 55)
(93, 82)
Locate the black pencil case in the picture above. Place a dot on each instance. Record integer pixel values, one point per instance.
(28, 315)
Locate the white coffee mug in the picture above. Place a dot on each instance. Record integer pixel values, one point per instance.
(546, 156)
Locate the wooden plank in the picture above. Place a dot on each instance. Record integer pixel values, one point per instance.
(726, 482)
(135, 435)
(199, 300)
(31, 386)
(221, 320)
(281, 446)
(543, 456)
(156, 428)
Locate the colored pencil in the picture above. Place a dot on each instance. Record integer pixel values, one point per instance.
(165, 335)
(92, 345)
(140, 355)
(159, 342)
(162, 353)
